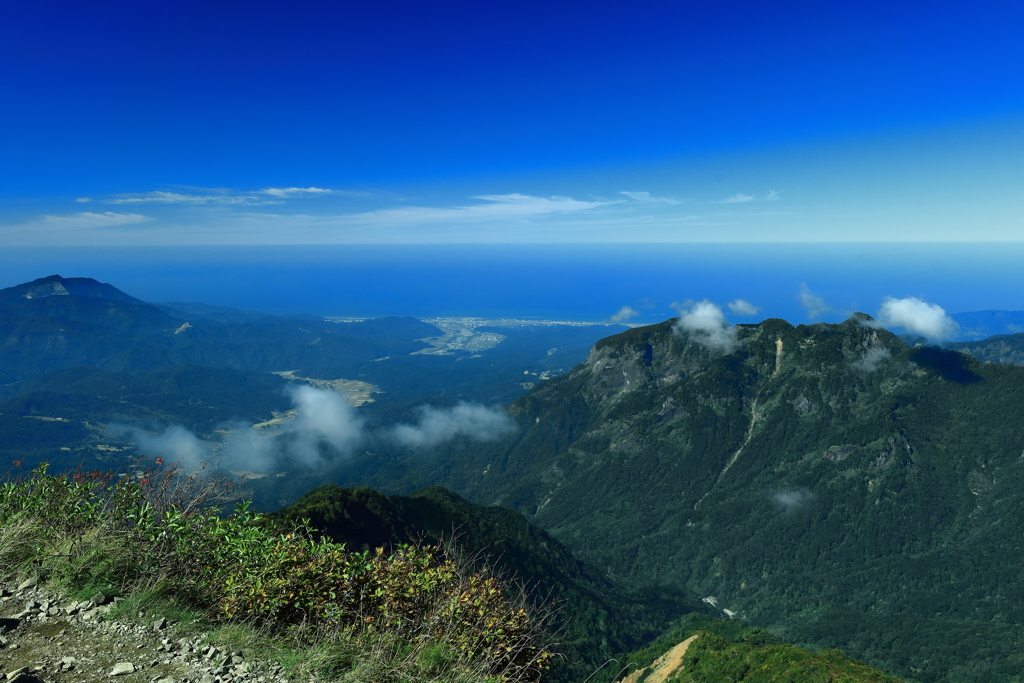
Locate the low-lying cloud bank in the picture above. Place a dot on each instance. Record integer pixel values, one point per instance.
(174, 443)
(705, 323)
(325, 428)
(443, 424)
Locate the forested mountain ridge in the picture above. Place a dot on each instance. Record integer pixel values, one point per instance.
(597, 619)
(1003, 348)
(825, 480)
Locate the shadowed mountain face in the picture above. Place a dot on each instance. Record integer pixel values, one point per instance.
(822, 480)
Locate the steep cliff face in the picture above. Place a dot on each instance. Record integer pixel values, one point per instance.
(677, 414)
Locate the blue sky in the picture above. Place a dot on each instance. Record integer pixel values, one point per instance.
(394, 122)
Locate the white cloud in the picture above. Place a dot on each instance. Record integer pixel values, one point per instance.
(773, 196)
(792, 499)
(296, 191)
(646, 198)
(916, 316)
(83, 200)
(162, 197)
(523, 205)
(738, 198)
(705, 323)
(174, 443)
(88, 219)
(872, 360)
(742, 307)
(812, 303)
(443, 424)
(625, 313)
(497, 207)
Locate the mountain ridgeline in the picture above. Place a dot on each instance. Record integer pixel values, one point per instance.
(832, 483)
(827, 481)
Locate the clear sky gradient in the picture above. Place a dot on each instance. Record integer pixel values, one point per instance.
(160, 123)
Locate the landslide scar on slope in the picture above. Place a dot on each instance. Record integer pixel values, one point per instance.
(664, 666)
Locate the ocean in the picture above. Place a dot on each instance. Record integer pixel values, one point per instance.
(549, 282)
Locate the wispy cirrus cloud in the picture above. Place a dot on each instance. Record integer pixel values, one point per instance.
(72, 229)
(738, 198)
(646, 198)
(219, 196)
(88, 219)
(495, 207)
(285, 192)
(773, 196)
(162, 197)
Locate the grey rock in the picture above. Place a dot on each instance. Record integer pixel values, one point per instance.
(26, 678)
(99, 599)
(11, 675)
(122, 668)
(160, 624)
(207, 678)
(28, 583)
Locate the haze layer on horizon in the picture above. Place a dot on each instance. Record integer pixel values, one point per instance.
(331, 123)
(611, 283)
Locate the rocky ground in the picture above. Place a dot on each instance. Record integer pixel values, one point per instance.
(44, 638)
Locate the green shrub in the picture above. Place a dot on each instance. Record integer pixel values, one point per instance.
(159, 532)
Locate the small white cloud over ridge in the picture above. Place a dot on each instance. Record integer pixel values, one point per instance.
(625, 313)
(743, 307)
(917, 317)
(705, 323)
(812, 303)
(738, 198)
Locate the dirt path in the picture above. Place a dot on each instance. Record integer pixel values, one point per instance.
(47, 639)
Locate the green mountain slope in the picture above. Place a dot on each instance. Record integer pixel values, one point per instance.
(600, 619)
(825, 480)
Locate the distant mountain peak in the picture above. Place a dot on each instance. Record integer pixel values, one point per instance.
(55, 285)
